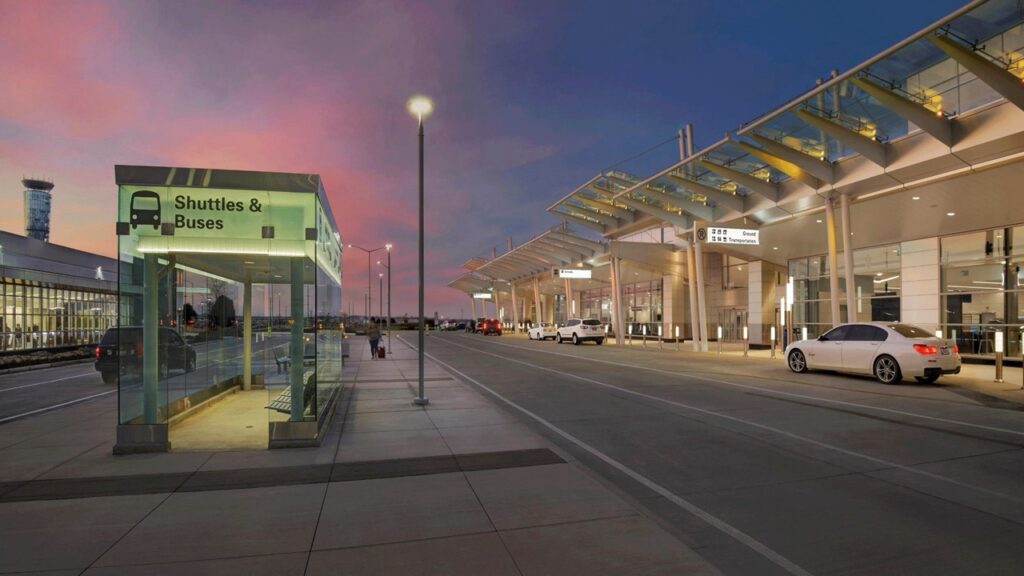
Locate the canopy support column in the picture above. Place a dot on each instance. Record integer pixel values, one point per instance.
(247, 333)
(851, 281)
(702, 314)
(691, 279)
(620, 331)
(515, 310)
(297, 348)
(833, 260)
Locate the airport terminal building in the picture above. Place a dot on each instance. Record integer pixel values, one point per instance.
(892, 191)
(53, 297)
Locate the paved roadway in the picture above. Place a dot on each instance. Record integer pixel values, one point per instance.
(24, 394)
(764, 472)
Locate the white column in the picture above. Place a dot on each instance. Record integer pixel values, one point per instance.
(515, 310)
(568, 299)
(618, 326)
(472, 307)
(851, 290)
(691, 280)
(833, 260)
(702, 313)
(538, 315)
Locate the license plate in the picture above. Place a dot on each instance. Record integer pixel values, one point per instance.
(944, 351)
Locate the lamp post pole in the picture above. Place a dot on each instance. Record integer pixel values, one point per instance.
(388, 268)
(380, 296)
(369, 278)
(420, 106)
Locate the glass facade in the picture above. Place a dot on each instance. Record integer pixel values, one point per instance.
(981, 289)
(876, 278)
(241, 292)
(41, 315)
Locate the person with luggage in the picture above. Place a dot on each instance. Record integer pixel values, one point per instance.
(373, 335)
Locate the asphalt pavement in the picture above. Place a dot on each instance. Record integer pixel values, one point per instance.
(766, 472)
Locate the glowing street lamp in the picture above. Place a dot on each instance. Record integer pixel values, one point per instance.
(420, 107)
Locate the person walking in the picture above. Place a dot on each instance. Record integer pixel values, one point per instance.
(373, 335)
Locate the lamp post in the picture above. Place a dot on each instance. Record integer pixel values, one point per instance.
(420, 106)
(369, 289)
(387, 267)
(380, 296)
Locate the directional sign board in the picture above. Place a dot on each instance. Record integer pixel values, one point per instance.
(572, 273)
(716, 235)
(482, 295)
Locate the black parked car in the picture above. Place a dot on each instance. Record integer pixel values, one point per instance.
(174, 353)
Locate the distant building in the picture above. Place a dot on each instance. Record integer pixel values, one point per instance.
(53, 296)
(37, 208)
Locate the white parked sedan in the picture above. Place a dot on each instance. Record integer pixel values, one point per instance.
(541, 331)
(887, 350)
(579, 330)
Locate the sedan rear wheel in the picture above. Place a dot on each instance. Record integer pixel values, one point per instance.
(887, 370)
(797, 361)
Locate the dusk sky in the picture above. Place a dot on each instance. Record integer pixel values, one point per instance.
(531, 100)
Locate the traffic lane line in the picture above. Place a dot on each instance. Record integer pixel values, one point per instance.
(54, 407)
(793, 436)
(832, 381)
(765, 390)
(730, 530)
(48, 381)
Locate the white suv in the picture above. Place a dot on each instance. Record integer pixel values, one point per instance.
(579, 330)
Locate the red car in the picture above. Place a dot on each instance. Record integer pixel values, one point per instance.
(489, 326)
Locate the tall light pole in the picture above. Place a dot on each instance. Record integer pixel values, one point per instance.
(387, 267)
(369, 289)
(420, 106)
(380, 296)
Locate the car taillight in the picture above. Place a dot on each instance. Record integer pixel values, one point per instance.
(956, 349)
(926, 349)
(97, 352)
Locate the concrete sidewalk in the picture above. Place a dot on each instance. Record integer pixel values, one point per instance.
(458, 487)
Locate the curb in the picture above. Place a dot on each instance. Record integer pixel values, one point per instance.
(17, 369)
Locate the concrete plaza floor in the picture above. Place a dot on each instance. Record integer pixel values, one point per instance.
(457, 487)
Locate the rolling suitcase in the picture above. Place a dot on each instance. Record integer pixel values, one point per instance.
(380, 352)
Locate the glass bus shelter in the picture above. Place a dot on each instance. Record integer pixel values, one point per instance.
(229, 310)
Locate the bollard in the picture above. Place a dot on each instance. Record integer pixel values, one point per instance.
(773, 341)
(644, 330)
(999, 357)
(661, 341)
(677, 337)
(629, 334)
(746, 342)
(719, 339)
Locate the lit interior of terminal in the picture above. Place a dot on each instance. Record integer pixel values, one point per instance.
(889, 192)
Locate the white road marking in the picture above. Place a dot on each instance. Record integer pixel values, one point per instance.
(777, 392)
(740, 536)
(47, 382)
(55, 406)
(753, 424)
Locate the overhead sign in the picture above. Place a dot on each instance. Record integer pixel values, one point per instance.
(732, 236)
(573, 273)
(482, 295)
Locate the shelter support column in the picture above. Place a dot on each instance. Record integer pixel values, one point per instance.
(851, 290)
(472, 307)
(620, 330)
(833, 261)
(297, 347)
(150, 338)
(691, 280)
(515, 310)
(702, 314)
(247, 333)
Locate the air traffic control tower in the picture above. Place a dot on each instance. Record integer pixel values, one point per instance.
(37, 208)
